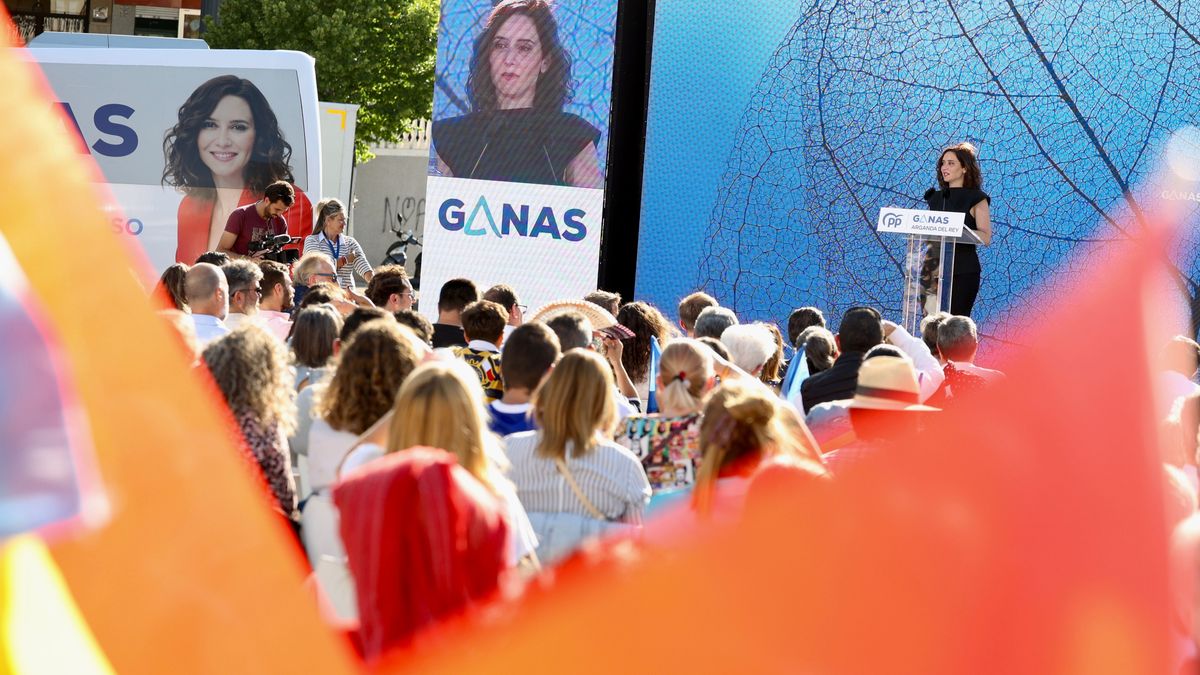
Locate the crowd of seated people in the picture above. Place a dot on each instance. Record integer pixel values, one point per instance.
(498, 440)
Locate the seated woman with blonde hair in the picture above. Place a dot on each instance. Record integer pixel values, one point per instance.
(668, 442)
(440, 405)
(570, 464)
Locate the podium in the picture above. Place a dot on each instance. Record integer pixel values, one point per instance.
(928, 260)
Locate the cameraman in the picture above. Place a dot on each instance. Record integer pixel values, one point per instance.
(258, 221)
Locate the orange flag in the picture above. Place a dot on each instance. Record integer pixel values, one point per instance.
(191, 572)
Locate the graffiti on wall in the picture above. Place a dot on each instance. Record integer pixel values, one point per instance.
(411, 208)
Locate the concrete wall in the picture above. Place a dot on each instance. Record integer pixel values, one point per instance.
(393, 182)
(122, 20)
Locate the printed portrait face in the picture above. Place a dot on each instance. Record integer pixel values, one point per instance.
(226, 139)
(517, 60)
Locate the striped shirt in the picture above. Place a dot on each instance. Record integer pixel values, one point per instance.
(344, 247)
(610, 476)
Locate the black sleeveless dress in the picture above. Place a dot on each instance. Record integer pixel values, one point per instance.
(967, 271)
(521, 146)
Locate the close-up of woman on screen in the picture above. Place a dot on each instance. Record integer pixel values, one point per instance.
(517, 131)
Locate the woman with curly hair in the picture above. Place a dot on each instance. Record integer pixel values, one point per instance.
(223, 153)
(250, 368)
(646, 322)
(517, 130)
(367, 374)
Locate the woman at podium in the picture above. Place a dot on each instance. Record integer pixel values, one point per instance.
(959, 177)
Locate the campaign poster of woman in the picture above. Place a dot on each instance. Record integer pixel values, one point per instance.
(181, 137)
(224, 150)
(523, 91)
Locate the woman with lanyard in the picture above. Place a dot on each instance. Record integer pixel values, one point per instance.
(328, 239)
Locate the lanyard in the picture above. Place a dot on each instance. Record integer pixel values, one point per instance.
(335, 251)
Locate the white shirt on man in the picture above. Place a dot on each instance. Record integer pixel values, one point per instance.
(209, 328)
(235, 320)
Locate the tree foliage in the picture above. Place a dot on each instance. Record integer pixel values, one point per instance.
(378, 54)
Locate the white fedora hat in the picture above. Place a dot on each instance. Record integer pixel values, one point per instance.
(888, 383)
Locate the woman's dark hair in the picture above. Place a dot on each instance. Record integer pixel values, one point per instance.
(554, 86)
(315, 330)
(645, 321)
(973, 177)
(271, 157)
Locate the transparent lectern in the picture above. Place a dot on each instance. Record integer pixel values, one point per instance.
(929, 275)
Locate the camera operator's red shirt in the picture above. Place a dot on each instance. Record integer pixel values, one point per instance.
(249, 226)
(195, 214)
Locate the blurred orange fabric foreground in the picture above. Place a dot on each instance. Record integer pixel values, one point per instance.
(1025, 536)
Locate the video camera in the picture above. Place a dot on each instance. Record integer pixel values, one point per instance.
(274, 248)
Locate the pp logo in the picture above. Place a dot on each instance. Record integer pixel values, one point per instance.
(892, 220)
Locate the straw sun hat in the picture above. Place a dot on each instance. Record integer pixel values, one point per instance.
(601, 319)
(888, 383)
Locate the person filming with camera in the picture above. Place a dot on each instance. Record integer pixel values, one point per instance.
(251, 225)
